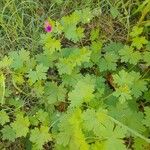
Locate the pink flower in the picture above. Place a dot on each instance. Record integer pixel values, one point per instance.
(47, 26)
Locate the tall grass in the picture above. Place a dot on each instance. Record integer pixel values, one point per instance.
(21, 21)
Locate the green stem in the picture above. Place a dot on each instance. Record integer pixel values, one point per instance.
(130, 130)
(145, 73)
(107, 96)
(18, 89)
(3, 86)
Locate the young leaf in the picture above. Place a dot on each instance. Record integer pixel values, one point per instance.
(138, 42)
(18, 79)
(80, 33)
(5, 62)
(50, 44)
(94, 34)
(136, 31)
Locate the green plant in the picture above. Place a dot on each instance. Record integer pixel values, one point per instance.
(78, 93)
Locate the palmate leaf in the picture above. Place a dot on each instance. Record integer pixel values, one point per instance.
(123, 78)
(124, 81)
(21, 125)
(100, 86)
(124, 114)
(123, 93)
(114, 138)
(136, 31)
(140, 144)
(50, 44)
(70, 22)
(38, 89)
(129, 84)
(138, 42)
(80, 33)
(74, 34)
(104, 145)
(19, 58)
(41, 71)
(40, 136)
(129, 55)
(114, 12)
(113, 47)
(96, 47)
(147, 95)
(92, 123)
(83, 91)
(78, 140)
(45, 59)
(43, 117)
(54, 93)
(146, 57)
(94, 34)
(8, 133)
(4, 118)
(86, 15)
(70, 128)
(104, 129)
(71, 80)
(76, 58)
(139, 85)
(146, 120)
(5, 62)
(63, 141)
(72, 19)
(38, 74)
(108, 62)
(65, 131)
(69, 26)
(18, 79)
